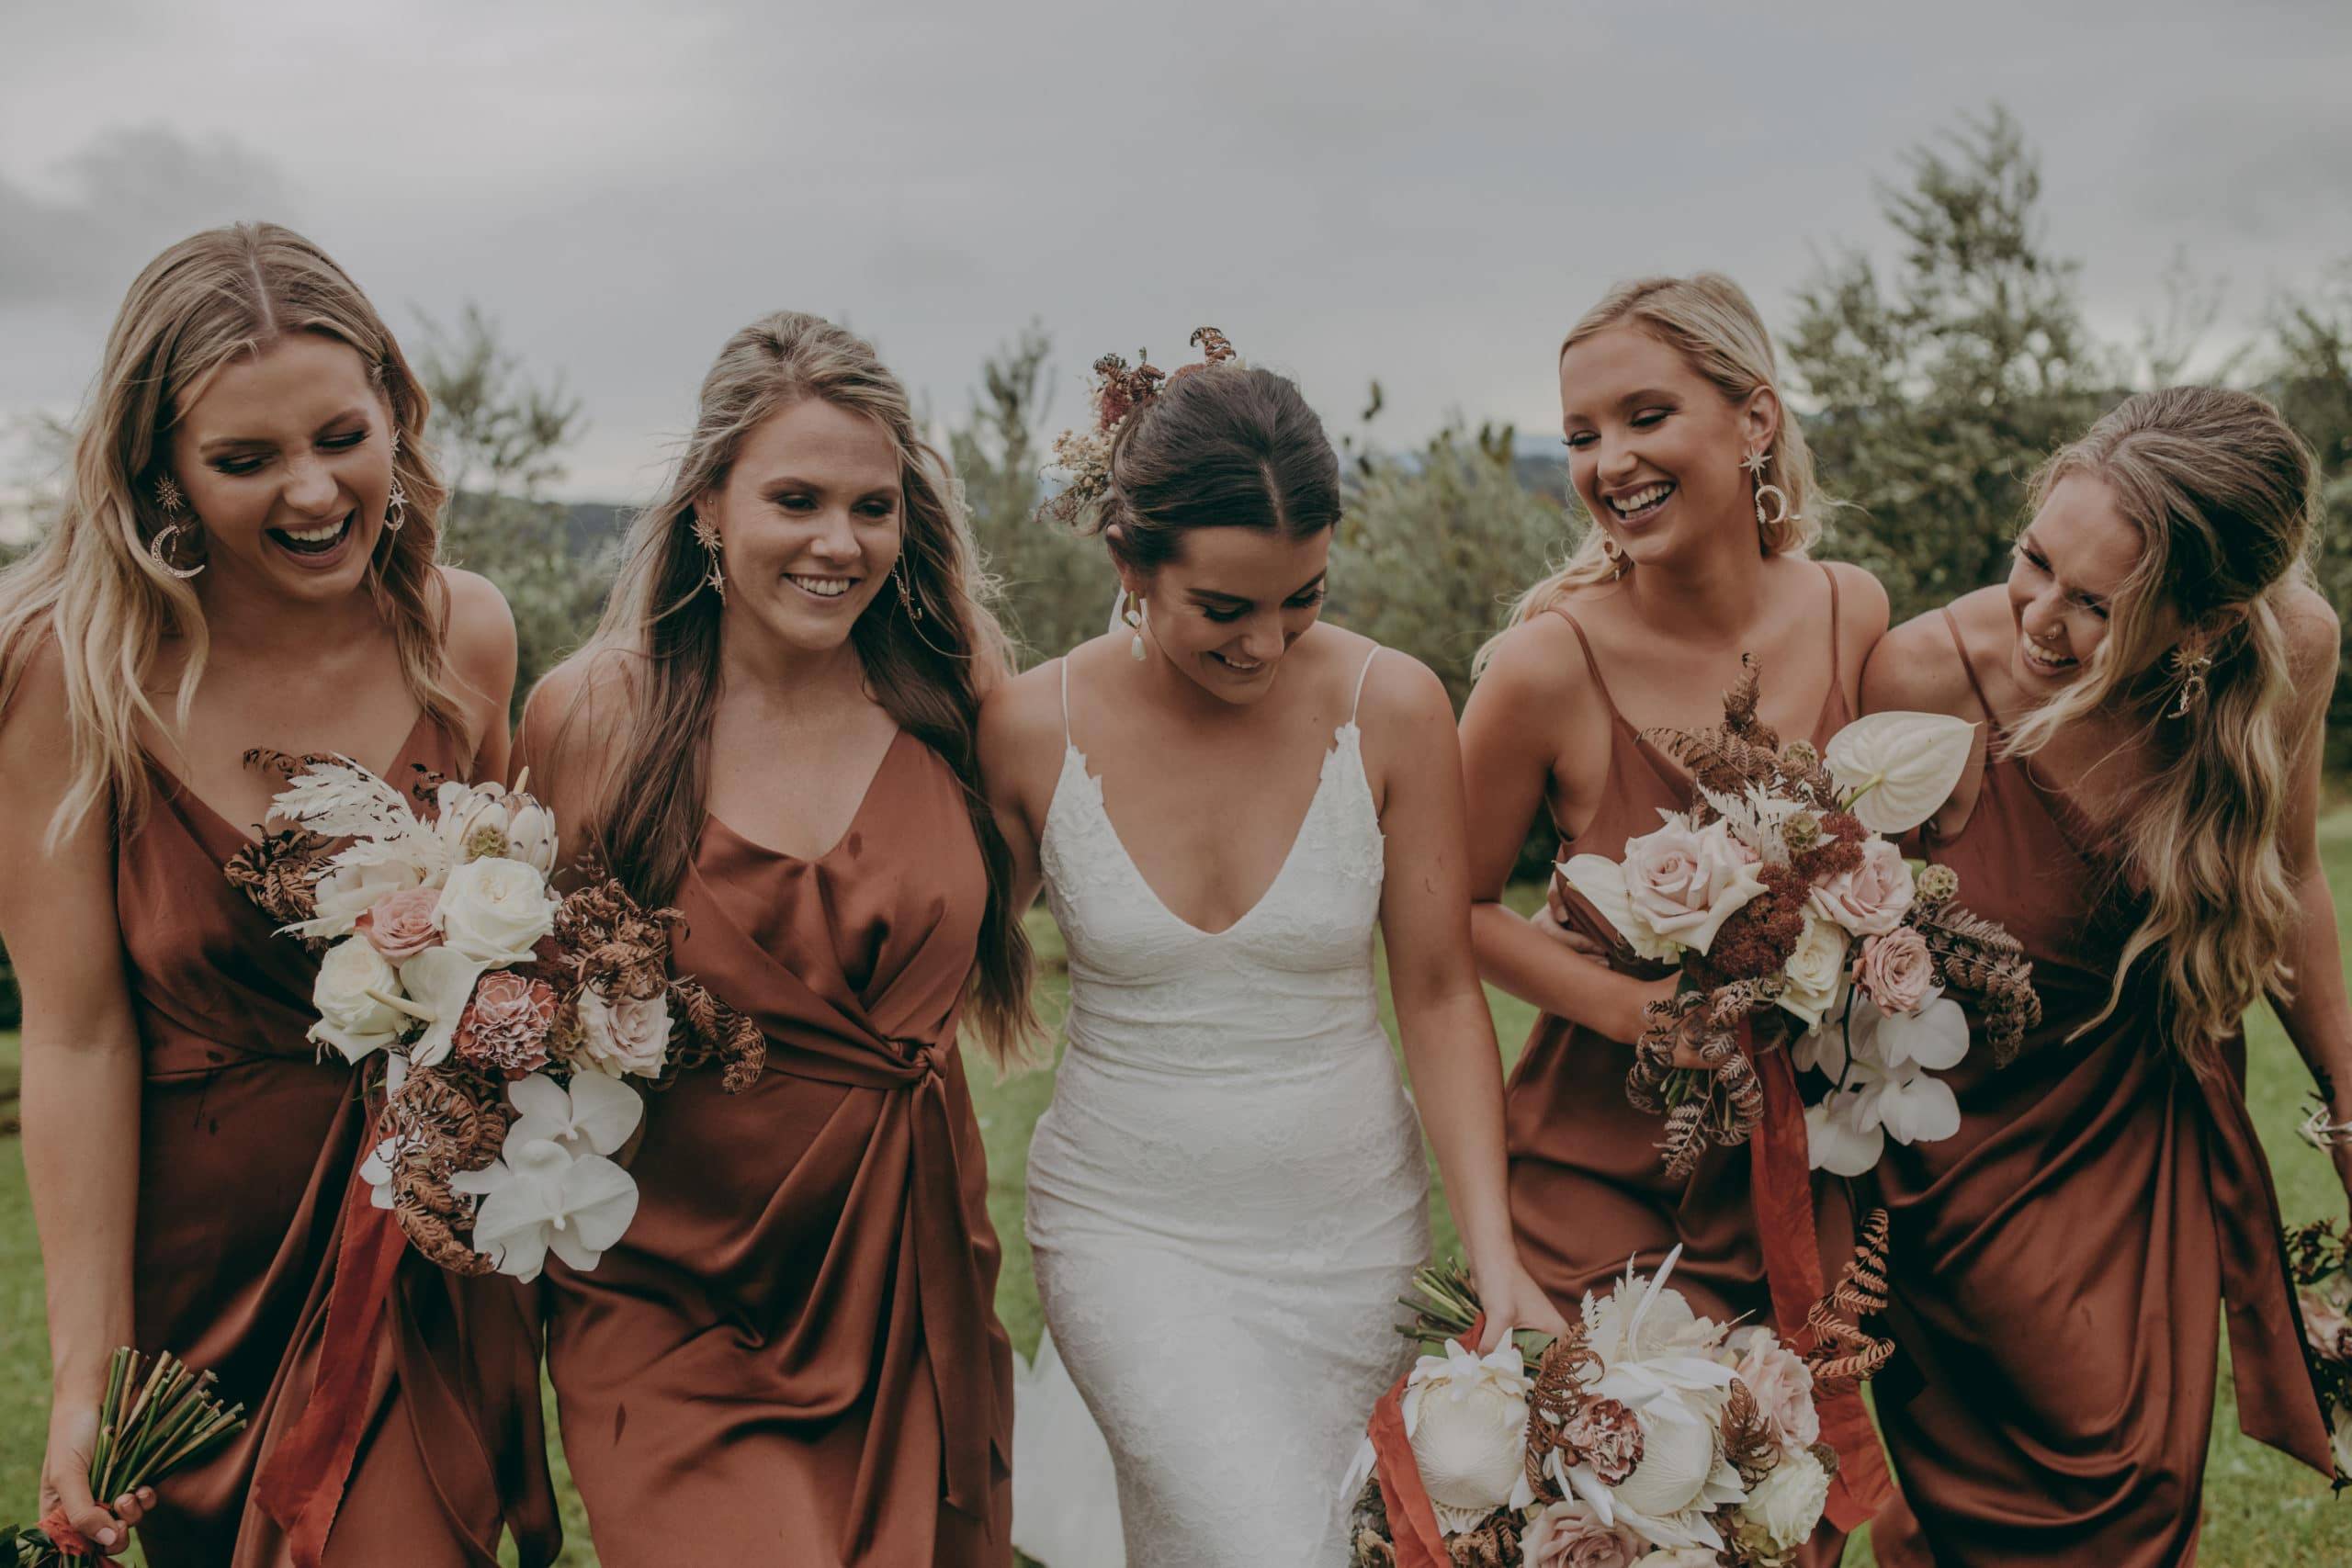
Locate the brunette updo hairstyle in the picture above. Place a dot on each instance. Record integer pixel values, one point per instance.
(1220, 447)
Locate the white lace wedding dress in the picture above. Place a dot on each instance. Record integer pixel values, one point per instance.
(1226, 1199)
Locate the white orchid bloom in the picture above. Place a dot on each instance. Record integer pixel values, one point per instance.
(376, 1170)
(1602, 883)
(1823, 1048)
(1936, 1037)
(1913, 1107)
(594, 1115)
(439, 982)
(1836, 1141)
(1895, 769)
(538, 1198)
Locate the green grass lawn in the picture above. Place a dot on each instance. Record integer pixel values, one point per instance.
(2262, 1510)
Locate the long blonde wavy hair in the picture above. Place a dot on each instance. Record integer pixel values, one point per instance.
(661, 625)
(1709, 320)
(2225, 498)
(91, 583)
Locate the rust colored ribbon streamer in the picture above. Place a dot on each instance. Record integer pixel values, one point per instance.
(1782, 1182)
(301, 1485)
(68, 1540)
(1412, 1523)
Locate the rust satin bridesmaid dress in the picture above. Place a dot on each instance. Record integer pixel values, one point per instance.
(794, 1355)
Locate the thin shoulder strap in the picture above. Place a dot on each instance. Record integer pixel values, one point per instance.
(1066, 740)
(1837, 668)
(1951, 624)
(1590, 663)
(1362, 676)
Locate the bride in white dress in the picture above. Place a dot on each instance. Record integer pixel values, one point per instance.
(1223, 799)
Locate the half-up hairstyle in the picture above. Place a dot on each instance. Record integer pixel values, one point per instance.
(2225, 498)
(661, 625)
(1709, 320)
(91, 583)
(1221, 445)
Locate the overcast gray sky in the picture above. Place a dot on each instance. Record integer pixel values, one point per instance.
(1427, 194)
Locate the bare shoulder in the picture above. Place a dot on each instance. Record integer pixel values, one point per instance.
(1917, 668)
(1399, 689)
(1539, 660)
(1022, 733)
(580, 708)
(2315, 632)
(481, 628)
(1862, 609)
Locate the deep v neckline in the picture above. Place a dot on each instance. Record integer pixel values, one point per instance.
(183, 795)
(849, 829)
(1091, 783)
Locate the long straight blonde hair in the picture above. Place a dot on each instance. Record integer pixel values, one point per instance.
(2225, 498)
(661, 627)
(1709, 320)
(91, 583)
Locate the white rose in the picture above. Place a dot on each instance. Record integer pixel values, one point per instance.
(1815, 971)
(349, 1019)
(486, 822)
(627, 1036)
(1788, 1504)
(1467, 1418)
(1680, 1557)
(495, 910)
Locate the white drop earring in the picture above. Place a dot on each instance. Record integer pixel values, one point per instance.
(1132, 613)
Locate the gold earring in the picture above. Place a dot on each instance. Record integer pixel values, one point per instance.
(174, 508)
(1755, 463)
(2189, 662)
(1618, 562)
(708, 537)
(396, 504)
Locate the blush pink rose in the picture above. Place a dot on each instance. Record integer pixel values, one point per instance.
(1685, 883)
(399, 925)
(505, 1027)
(1896, 971)
(1570, 1535)
(1782, 1386)
(1869, 900)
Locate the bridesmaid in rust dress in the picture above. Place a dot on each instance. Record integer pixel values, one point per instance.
(2152, 682)
(1667, 385)
(251, 541)
(792, 1356)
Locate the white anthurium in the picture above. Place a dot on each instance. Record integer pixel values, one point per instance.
(1893, 769)
(1602, 883)
(1835, 1139)
(1467, 1418)
(594, 1115)
(439, 982)
(539, 1198)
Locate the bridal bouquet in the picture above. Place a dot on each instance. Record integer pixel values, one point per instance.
(1647, 1434)
(156, 1418)
(1787, 907)
(510, 1021)
(2319, 1263)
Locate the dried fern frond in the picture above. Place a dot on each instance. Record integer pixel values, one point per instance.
(1841, 1355)
(1751, 1442)
(279, 873)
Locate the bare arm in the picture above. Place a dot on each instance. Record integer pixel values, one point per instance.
(1531, 707)
(2317, 1015)
(81, 1079)
(482, 656)
(1021, 750)
(1442, 1015)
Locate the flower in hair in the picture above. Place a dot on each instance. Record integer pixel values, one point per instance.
(1082, 456)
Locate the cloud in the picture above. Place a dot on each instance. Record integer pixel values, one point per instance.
(121, 197)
